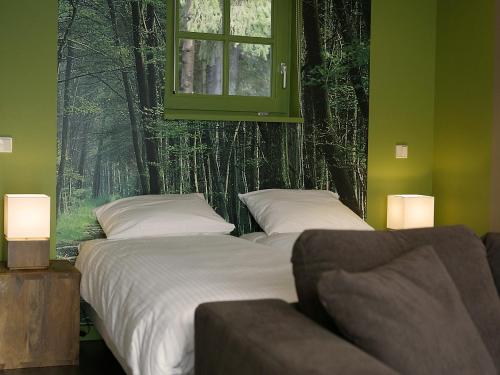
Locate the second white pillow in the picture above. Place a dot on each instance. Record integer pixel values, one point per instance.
(289, 211)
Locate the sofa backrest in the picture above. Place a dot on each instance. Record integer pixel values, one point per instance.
(460, 250)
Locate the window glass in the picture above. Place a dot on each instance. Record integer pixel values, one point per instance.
(201, 16)
(200, 66)
(250, 69)
(251, 18)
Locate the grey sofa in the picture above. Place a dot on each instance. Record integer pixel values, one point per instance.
(273, 337)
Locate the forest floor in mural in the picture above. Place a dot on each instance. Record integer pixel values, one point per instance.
(113, 140)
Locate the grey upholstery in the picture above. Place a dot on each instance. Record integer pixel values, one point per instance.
(269, 337)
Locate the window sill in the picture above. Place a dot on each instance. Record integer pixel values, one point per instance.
(228, 116)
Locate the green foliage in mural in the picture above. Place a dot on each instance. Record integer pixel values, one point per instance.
(114, 142)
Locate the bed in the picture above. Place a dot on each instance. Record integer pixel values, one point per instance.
(165, 255)
(144, 291)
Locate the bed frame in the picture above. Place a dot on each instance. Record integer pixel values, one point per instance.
(99, 326)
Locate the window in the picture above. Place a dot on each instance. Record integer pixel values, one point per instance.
(232, 60)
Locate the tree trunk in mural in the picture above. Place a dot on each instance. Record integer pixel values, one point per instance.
(154, 110)
(83, 155)
(270, 148)
(63, 41)
(96, 186)
(366, 13)
(148, 108)
(187, 61)
(320, 113)
(187, 56)
(152, 45)
(310, 157)
(65, 126)
(341, 13)
(130, 105)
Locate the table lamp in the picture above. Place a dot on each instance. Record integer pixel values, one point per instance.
(407, 211)
(27, 231)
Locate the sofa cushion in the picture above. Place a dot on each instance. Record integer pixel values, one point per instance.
(459, 249)
(408, 314)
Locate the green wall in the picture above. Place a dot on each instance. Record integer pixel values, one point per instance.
(495, 155)
(464, 112)
(401, 101)
(28, 75)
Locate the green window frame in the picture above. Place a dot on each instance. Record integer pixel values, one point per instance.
(283, 103)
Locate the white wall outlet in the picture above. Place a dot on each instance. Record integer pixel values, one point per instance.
(401, 151)
(5, 144)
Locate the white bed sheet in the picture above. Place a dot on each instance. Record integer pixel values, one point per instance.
(283, 241)
(146, 291)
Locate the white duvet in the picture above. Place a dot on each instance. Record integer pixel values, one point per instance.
(146, 291)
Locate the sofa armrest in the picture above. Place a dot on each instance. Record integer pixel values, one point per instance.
(269, 337)
(492, 243)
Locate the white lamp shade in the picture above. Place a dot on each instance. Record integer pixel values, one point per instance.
(26, 216)
(410, 211)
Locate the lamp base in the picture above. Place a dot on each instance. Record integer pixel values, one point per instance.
(20, 255)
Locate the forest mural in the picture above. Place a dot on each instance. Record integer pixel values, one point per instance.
(114, 142)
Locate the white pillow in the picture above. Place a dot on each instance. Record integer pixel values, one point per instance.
(160, 216)
(288, 211)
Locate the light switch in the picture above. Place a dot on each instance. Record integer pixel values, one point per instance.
(401, 151)
(5, 144)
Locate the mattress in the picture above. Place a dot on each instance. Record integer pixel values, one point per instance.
(145, 291)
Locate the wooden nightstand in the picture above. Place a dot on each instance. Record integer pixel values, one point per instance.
(39, 316)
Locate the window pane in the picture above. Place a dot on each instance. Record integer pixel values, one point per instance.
(200, 66)
(251, 18)
(201, 16)
(250, 69)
